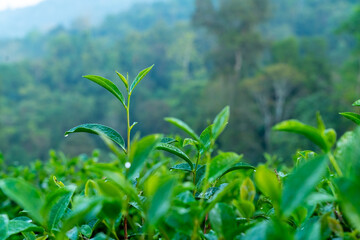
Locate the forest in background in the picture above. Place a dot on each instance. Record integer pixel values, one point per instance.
(269, 60)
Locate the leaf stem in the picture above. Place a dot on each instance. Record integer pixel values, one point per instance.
(335, 165)
(128, 124)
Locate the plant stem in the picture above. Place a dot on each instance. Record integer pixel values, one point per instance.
(335, 165)
(128, 124)
(194, 171)
(125, 228)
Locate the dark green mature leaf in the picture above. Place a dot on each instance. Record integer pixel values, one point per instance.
(221, 164)
(101, 130)
(220, 122)
(29, 235)
(24, 194)
(160, 203)
(176, 151)
(140, 153)
(56, 204)
(310, 230)
(206, 139)
(108, 85)
(237, 166)
(349, 200)
(4, 222)
(313, 134)
(139, 77)
(183, 167)
(17, 226)
(352, 116)
(301, 182)
(183, 126)
(222, 218)
(168, 140)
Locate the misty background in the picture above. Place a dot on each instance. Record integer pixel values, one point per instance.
(269, 60)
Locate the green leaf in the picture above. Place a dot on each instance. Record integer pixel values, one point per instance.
(313, 134)
(17, 226)
(309, 231)
(352, 116)
(222, 218)
(4, 222)
(168, 140)
(160, 203)
(206, 139)
(247, 190)
(86, 230)
(123, 79)
(349, 200)
(356, 103)
(320, 122)
(24, 194)
(183, 126)
(237, 166)
(220, 122)
(56, 204)
(176, 151)
(221, 164)
(108, 85)
(140, 153)
(183, 167)
(301, 182)
(267, 182)
(139, 77)
(101, 130)
(151, 171)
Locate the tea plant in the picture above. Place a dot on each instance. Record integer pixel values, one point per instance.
(158, 187)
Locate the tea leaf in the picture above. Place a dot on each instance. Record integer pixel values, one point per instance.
(101, 130)
(4, 222)
(247, 190)
(309, 132)
(220, 122)
(139, 77)
(176, 151)
(222, 220)
(183, 126)
(123, 79)
(24, 194)
(237, 166)
(356, 103)
(220, 165)
(140, 152)
(160, 202)
(352, 116)
(17, 226)
(108, 85)
(56, 204)
(206, 139)
(301, 182)
(267, 182)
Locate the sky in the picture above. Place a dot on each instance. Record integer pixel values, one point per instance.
(12, 4)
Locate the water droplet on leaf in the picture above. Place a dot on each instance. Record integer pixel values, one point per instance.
(127, 165)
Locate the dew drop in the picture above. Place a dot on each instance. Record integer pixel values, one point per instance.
(66, 135)
(127, 165)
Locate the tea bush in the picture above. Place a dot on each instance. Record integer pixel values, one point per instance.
(166, 187)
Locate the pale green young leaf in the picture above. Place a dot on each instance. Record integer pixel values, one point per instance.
(108, 85)
(206, 139)
(139, 77)
(123, 79)
(356, 103)
(101, 130)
